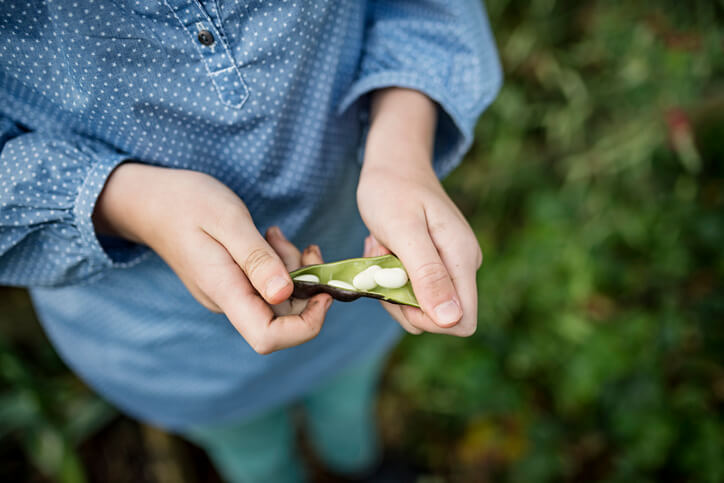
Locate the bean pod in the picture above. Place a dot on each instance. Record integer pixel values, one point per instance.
(381, 277)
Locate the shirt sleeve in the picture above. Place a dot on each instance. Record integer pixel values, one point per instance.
(48, 188)
(442, 48)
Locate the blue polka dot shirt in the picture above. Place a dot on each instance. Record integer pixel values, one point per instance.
(270, 97)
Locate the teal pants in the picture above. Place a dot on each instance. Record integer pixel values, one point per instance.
(339, 422)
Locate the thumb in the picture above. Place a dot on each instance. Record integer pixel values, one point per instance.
(263, 267)
(258, 260)
(430, 279)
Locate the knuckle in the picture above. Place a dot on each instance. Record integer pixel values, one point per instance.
(262, 346)
(474, 251)
(263, 351)
(207, 302)
(211, 306)
(282, 309)
(469, 250)
(467, 330)
(314, 330)
(226, 218)
(259, 341)
(314, 325)
(478, 255)
(411, 329)
(208, 283)
(217, 286)
(438, 226)
(431, 275)
(256, 260)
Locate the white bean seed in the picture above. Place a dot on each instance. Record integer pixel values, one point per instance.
(307, 277)
(365, 280)
(391, 277)
(340, 284)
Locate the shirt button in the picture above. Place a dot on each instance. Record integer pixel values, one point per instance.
(206, 37)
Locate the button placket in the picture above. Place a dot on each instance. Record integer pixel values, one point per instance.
(217, 58)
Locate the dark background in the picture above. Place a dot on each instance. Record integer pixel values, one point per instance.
(596, 189)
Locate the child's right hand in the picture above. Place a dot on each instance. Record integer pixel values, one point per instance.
(204, 232)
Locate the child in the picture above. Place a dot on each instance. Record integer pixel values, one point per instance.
(147, 143)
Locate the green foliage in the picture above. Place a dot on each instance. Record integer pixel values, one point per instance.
(44, 409)
(596, 192)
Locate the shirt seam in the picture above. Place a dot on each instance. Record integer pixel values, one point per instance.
(245, 95)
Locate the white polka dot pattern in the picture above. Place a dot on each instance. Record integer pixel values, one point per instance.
(268, 97)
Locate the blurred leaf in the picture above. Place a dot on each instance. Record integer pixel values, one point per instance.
(596, 190)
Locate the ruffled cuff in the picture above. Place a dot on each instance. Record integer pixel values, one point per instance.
(454, 134)
(103, 251)
(49, 184)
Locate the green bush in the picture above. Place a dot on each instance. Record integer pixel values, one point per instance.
(596, 192)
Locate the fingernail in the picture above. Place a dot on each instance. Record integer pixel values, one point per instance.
(448, 313)
(274, 230)
(275, 285)
(328, 303)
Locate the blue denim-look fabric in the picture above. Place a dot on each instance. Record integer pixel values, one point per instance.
(274, 107)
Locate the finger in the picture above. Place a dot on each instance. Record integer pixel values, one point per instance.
(292, 260)
(292, 330)
(285, 249)
(261, 264)
(466, 286)
(395, 312)
(305, 309)
(297, 306)
(417, 318)
(420, 320)
(376, 248)
(284, 308)
(256, 322)
(227, 286)
(203, 299)
(430, 280)
(224, 283)
(312, 255)
(294, 306)
(462, 256)
(203, 277)
(373, 248)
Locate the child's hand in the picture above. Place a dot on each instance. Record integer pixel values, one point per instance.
(206, 235)
(408, 212)
(414, 218)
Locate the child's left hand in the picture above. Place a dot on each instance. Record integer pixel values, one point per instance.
(408, 212)
(412, 215)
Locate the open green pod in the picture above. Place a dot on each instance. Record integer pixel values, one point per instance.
(314, 279)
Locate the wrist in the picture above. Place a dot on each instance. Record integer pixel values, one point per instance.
(119, 207)
(402, 131)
